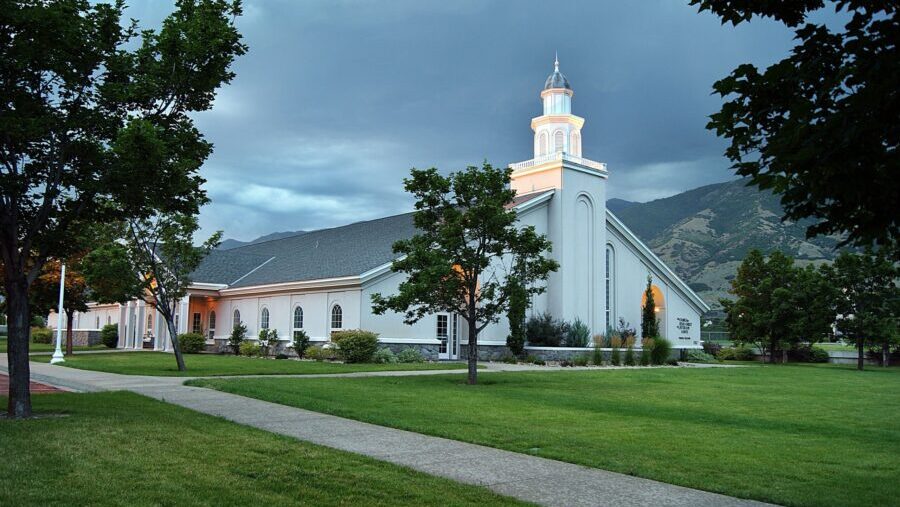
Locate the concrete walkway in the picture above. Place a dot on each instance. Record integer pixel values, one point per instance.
(529, 478)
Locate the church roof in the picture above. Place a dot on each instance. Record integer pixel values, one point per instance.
(349, 250)
(557, 79)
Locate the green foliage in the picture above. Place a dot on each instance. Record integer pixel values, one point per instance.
(384, 356)
(545, 331)
(109, 335)
(300, 342)
(809, 354)
(268, 341)
(321, 353)
(410, 355)
(615, 358)
(736, 353)
(355, 345)
(698, 356)
(515, 314)
(581, 360)
(237, 337)
(660, 351)
(832, 79)
(597, 356)
(649, 321)
(578, 335)
(644, 359)
(191, 343)
(629, 357)
(41, 335)
(250, 349)
(465, 224)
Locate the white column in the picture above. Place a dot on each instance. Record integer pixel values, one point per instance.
(137, 340)
(161, 332)
(123, 325)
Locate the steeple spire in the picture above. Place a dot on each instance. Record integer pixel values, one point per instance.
(556, 62)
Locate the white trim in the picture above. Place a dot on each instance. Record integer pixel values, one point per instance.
(534, 201)
(667, 274)
(411, 341)
(297, 285)
(207, 286)
(252, 270)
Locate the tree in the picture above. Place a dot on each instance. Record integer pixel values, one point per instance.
(156, 261)
(820, 126)
(813, 298)
(45, 292)
(649, 321)
(95, 126)
(467, 235)
(867, 299)
(515, 314)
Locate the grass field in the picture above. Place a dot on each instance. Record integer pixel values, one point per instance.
(795, 435)
(200, 365)
(124, 449)
(50, 347)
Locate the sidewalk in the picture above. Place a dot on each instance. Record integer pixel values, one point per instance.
(529, 478)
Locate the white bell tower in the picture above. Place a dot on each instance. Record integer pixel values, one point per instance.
(576, 213)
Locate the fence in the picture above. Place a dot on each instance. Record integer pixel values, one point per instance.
(715, 336)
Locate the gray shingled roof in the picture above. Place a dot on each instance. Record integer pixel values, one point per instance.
(349, 250)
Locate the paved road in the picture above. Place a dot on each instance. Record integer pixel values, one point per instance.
(529, 478)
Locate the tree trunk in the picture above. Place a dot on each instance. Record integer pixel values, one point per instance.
(70, 316)
(173, 336)
(473, 352)
(19, 323)
(861, 354)
(885, 354)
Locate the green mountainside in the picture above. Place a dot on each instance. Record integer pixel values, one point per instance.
(704, 233)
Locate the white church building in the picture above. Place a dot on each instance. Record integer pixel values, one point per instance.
(322, 281)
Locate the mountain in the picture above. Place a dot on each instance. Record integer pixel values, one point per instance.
(703, 234)
(228, 244)
(616, 205)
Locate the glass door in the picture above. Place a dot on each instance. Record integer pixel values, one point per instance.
(442, 332)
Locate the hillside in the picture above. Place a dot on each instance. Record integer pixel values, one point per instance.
(704, 233)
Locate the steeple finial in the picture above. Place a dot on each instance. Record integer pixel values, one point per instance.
(556, 62)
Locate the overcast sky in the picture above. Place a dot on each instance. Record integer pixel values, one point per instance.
(336, 100)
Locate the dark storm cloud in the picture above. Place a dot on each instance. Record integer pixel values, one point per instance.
(336, 100)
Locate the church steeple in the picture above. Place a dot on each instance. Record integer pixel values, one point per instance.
(557, 130)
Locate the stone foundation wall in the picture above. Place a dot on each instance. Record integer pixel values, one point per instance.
(428, 351)
(84, 337)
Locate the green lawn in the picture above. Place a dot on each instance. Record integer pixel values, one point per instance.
(50, 347)
(795, 435)
(200, 365)
(124, 449)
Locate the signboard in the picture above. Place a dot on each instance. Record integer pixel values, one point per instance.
(684, 327)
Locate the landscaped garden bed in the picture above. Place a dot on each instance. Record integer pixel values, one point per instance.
(794, 435)
(124, 449)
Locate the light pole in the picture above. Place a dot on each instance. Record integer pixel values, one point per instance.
(58, 355)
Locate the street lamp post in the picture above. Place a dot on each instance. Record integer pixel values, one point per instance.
(58, 355)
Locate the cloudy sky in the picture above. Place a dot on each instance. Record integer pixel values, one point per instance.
(336, 100)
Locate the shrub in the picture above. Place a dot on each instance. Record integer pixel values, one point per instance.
(384, 356)
(410, 355)
(545, 331)
(315, 353)
(712, 348)
(191, 343)
(355, 345)
(300, 343)
(531, 358)
(268, 341)
(518, 304)
(539, 362)
(281, 356)
(597, 356)
(250, 349)
(109, 335)
(736, 353)
(509, 359)
(41, 335)
(615, 358)
(579, 334)
(565, 363)
(699, 356)
(238, 334)
(810, 354)
(629, 357)
(660, 351)
(581, 360)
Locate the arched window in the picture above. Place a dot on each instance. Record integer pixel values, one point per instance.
(298, 318)
(337, 317)
(97, 320)
(558, 141)
(212, 324)
(108, 320)
(264, 319)
(575, 144)
(236, 319)
(542, 144)
(610, 285)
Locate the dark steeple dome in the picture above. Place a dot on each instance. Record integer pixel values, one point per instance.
(557, 79)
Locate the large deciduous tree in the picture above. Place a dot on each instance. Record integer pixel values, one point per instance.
(822, 126)
(95, 126)
(868, 300)
(469, 256)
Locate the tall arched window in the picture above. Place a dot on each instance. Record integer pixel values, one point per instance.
(575, 144)
(236, 318)
(542, 144)
(559, 140)
(212, 324)
(298, 318)
(610, 285)
(337, 317)
(264, 319)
